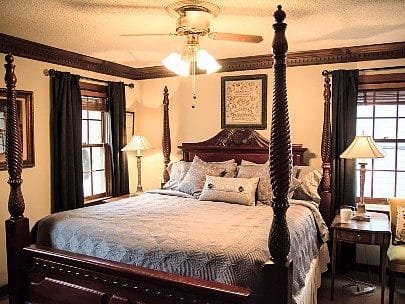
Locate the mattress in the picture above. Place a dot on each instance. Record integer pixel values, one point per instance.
(176, 233)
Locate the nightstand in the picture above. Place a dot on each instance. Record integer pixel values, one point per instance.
(375, 232)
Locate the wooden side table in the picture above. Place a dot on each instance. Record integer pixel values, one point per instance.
(375, 232)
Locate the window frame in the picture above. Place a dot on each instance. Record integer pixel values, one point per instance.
(98, 91)
(378, 83)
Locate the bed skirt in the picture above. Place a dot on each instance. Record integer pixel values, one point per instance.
(319, 265)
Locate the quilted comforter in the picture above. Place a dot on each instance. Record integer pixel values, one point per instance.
(211, 240)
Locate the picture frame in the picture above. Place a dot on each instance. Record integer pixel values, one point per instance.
(244, 101)
(129, 124)
(25, 110)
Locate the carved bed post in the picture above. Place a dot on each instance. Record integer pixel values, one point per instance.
(326, 146)
(166, 142)
(280, 146)
(17, 226)
(279, 273)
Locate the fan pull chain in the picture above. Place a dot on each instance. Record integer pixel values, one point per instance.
(193, 71)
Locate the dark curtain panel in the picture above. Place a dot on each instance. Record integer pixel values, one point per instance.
(66, 140)
(344, 109)
(116, 101)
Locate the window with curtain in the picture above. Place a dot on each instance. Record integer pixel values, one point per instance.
(381, 114)
(95, 150)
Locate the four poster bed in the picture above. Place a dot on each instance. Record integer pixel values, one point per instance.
(42, 274)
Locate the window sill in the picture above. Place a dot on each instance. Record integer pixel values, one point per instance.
(96, 201)
(378, 208)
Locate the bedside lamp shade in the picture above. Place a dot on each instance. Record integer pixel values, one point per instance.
(137, 143)
(362, 147)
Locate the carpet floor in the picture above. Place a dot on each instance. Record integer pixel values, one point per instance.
(346, 296)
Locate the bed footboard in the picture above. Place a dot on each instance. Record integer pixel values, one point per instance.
(59, 277)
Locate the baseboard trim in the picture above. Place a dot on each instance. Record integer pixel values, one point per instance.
(375, 269)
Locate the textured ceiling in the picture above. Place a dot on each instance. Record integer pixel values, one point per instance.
(93, 27)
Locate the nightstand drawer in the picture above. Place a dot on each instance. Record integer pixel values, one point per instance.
(360, 237)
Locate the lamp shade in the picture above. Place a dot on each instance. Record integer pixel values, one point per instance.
(180, 64)
(137, 143)
(177, 65)
(362, 147)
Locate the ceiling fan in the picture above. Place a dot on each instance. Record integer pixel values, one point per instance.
(193, 18)
(193, 22)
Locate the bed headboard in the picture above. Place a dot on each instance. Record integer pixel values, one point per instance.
(236, 144)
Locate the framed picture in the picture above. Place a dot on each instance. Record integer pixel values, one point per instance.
(244, 101)
(25, 112)
(129, 124)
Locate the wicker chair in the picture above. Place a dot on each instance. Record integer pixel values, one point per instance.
(396, 253)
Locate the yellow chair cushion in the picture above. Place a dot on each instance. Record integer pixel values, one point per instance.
(396, 257)
(394, 204)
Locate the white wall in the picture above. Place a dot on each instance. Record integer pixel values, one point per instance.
(187, 124)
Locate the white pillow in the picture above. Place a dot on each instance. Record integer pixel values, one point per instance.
(249, 163)
(264, 192)
(177, 171)
(194, 179)
(294, 171)
(231, 190)
(310, 180)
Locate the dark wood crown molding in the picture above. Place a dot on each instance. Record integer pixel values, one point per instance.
(36, 51)
(382, 51)
(41, 52)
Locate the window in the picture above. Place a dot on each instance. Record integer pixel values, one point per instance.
(95, 150)
(381, 114)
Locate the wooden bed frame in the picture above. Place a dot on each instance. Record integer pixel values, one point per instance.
(43, 275)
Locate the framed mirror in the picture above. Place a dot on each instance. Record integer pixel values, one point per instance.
(25, 108)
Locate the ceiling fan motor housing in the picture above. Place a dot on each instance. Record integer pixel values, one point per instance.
(194, 22)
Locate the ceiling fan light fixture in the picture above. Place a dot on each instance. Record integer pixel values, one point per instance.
(207, 62)
(174, 63)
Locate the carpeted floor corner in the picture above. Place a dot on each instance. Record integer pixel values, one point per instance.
(345, 295)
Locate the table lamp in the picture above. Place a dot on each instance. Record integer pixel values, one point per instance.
(362, 147)
(137, 143)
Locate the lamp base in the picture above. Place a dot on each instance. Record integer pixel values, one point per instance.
(362, 217)
(364, 290)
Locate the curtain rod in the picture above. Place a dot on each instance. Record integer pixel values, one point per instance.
(326, 72)
(51, 73)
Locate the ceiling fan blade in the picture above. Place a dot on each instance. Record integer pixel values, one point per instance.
(143, 35)
(235, 37)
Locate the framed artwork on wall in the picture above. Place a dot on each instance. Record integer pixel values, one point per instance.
(244, 101)
(129, 124)
(25, 112)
